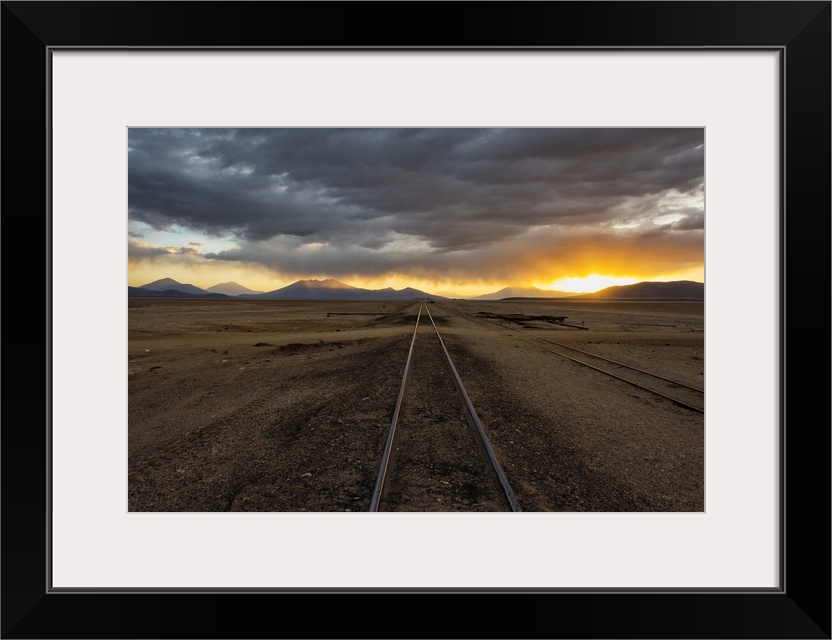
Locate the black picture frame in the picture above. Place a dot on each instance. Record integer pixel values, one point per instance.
(799, 31)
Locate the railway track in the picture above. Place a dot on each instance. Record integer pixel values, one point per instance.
(437, 456)
(680, 394)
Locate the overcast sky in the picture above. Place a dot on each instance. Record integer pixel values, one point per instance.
(449, 209)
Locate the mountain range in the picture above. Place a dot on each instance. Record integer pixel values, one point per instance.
(523, 292)
(677, 290)
(300, 290)
(334, 290)
(232, 289)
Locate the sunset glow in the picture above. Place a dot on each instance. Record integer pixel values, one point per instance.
(587, 284)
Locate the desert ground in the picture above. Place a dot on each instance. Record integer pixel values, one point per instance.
(270, 405)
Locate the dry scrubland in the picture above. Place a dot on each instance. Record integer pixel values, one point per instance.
(238, 405)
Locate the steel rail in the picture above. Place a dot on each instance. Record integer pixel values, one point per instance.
(515, 506)
(388, 447)
(680, 403)
(621, 364)
(684, 405)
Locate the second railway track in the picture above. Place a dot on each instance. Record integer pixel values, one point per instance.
(678, 393)
(437, 456)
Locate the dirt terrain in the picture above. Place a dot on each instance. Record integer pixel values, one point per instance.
(266, 405)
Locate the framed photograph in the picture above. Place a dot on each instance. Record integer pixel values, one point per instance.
(710, 120)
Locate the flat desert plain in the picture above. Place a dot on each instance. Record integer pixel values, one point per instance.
(270, 405)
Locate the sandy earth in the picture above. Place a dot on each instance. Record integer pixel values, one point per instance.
(285, 406)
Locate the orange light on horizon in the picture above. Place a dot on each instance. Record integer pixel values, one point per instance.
(587, 284)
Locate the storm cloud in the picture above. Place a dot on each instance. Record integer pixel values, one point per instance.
(423, 201)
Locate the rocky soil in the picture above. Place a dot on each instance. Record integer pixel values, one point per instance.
(240, 405)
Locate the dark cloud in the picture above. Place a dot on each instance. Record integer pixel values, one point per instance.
(137, 251)
(693, 221)
(385, 195)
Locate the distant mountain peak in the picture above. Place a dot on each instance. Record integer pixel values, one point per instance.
(167, 284)
(231, 289)
(328, 283)
(676, 290)
(162, 282)
(528, 292)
